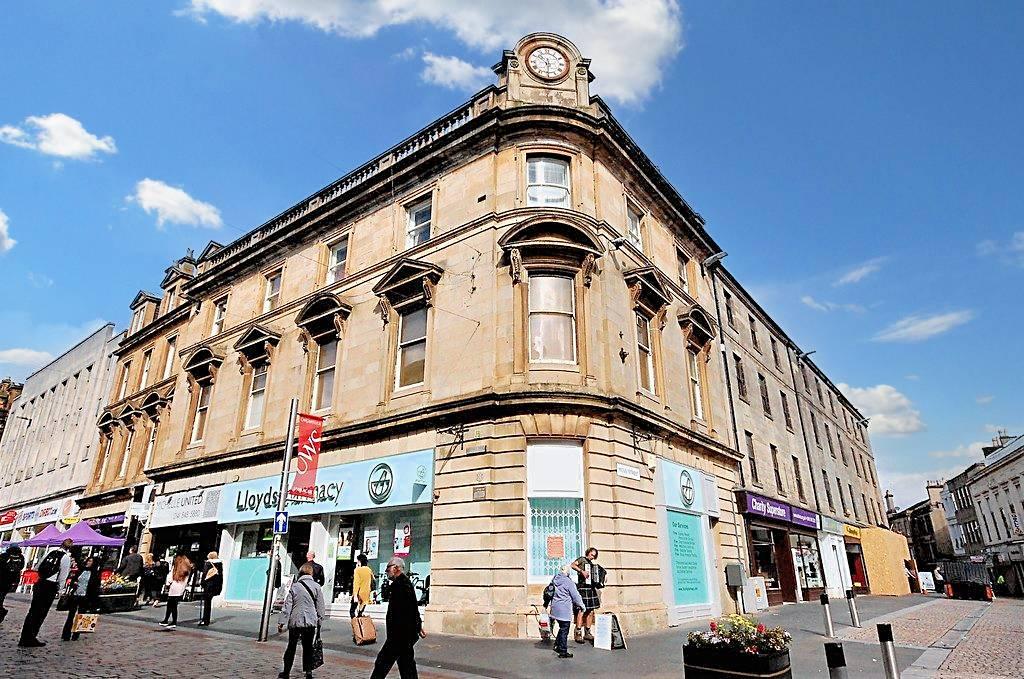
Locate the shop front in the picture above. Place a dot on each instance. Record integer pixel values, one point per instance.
(833, 557)
(686, 503)
(783, 548)
(855, 559)
(379, 507)
(184, 523)
(34, 518)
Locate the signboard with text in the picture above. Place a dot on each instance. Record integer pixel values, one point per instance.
(686, 552)
(307, 459)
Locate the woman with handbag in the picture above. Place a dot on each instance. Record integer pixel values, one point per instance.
(177, 581)
(213, 581)
(303, 611)
(81, 594)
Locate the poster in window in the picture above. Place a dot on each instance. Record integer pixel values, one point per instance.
(686, 552)
(556, 547)
(371, 538)
(403, 538)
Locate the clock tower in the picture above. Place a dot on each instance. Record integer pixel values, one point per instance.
(545, 68)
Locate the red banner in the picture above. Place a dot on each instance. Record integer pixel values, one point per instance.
(308, 458)
(8, 517)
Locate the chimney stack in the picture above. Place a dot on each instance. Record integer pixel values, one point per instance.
(889, 506)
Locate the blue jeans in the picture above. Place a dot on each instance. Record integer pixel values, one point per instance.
(562, 638)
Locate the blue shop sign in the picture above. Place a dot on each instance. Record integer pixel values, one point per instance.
(392, 481)
(681, 486)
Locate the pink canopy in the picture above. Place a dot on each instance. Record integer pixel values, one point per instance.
(84, 536)
(47, 537)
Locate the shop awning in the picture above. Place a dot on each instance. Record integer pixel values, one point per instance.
(47, 537)
(83, 534)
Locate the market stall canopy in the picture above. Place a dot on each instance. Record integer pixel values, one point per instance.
(83, 535)
(47, 537)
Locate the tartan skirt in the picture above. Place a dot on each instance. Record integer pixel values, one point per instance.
(591, 597)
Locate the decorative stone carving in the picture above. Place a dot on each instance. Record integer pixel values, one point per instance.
(428, 291)
(304, 339)
(516, 258)
(385, 309)
(662, 318)
(587, 269)
(634, 295)
(339, 325)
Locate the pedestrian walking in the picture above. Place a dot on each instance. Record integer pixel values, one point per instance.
(213, 582)
(362, 578)
(11, 564)
(177, 581)
(590, 578)
(404, 626)
(131, 566)
(302, 613)
(564, 598)
(82, 596)
(318, 570)
(53, 574)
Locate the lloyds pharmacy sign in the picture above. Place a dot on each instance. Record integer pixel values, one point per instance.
(393, 481)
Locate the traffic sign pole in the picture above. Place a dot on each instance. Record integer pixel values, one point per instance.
(268, 594)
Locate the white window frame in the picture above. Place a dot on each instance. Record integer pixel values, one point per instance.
(683, 262)
(106, 440)
(634, 225)
(127, 453)
(150, 446)
(220, 311)
(542, 158)
(696, 383)
(645, 357)
(122, 390)
(272, 299)
(147, 362)
(336, 270)
(202, 411)
(411, 227)
(571, 314)
(172, 343)
(258, 370)
(136, 320)
(318, 373)
(402, 347)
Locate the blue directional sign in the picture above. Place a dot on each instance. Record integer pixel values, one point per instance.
(280, 523)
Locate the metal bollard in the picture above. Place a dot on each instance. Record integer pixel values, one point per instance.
(854, 617)
(835, 659)
(829, 632)
(892, 671)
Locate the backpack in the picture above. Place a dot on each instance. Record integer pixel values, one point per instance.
(549, 594)
(50, 565)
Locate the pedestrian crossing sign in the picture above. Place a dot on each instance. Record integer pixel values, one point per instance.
(280, 523)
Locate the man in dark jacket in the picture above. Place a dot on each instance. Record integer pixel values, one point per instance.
(404, 627)
(318, 570)
(11, 565)
(131, 565)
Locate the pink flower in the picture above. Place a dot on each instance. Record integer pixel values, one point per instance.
(760, 629)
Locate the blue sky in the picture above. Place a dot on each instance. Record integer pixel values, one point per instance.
(860, 163)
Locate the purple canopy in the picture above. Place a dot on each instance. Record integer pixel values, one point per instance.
(47, 537)
(83, 535)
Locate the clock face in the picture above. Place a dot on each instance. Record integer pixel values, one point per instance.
(547, 62)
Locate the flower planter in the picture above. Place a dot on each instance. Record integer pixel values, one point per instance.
(713, 663)
(116, 603)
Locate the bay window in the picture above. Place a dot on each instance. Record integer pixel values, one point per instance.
(547, 182)
(552, 311)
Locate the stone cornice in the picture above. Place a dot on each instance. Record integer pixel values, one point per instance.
(479, 406)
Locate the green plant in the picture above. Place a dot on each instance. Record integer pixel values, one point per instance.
(740, 633)
(117, 584)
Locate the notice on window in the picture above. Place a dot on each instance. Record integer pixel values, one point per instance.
(556, 547)
(371, 540)
(403, 538)
(686, 550)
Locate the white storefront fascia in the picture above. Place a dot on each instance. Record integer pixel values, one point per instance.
(186, 507)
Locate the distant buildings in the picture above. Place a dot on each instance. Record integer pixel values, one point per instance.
(925, 527)
(9, 390)
(996, 492)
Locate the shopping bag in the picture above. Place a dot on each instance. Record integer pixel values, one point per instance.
(363, 631)
(318, 651)
(85, 622)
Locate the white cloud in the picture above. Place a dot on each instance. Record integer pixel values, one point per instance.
(827, 306)
(40, 280)
(630, 41)
(971, 452)
(454, 73)
(915, 328)
(26, 358)
(173, 205)
(860, 272)
(984, 399)
(6, 242)
(58, 135)
(912, 377)
(910, 487)
(890, 411)
(1011, 252)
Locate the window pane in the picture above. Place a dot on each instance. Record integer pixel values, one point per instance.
(336, 263)
(547, 196)
(328, 355)
(554, 517)
(204, 396)
(324, 389)
(643, 331)
(412, 363)
(551, 293)
(417, 235)
(259, 378)
(255, 409)
(645, 369)
(551, 337)
(414, 325)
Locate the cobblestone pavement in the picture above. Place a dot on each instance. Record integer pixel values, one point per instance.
(920, 626)
(993, 648)
(130, 649)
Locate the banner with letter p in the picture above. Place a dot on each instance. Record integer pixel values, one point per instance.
(307, 459)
